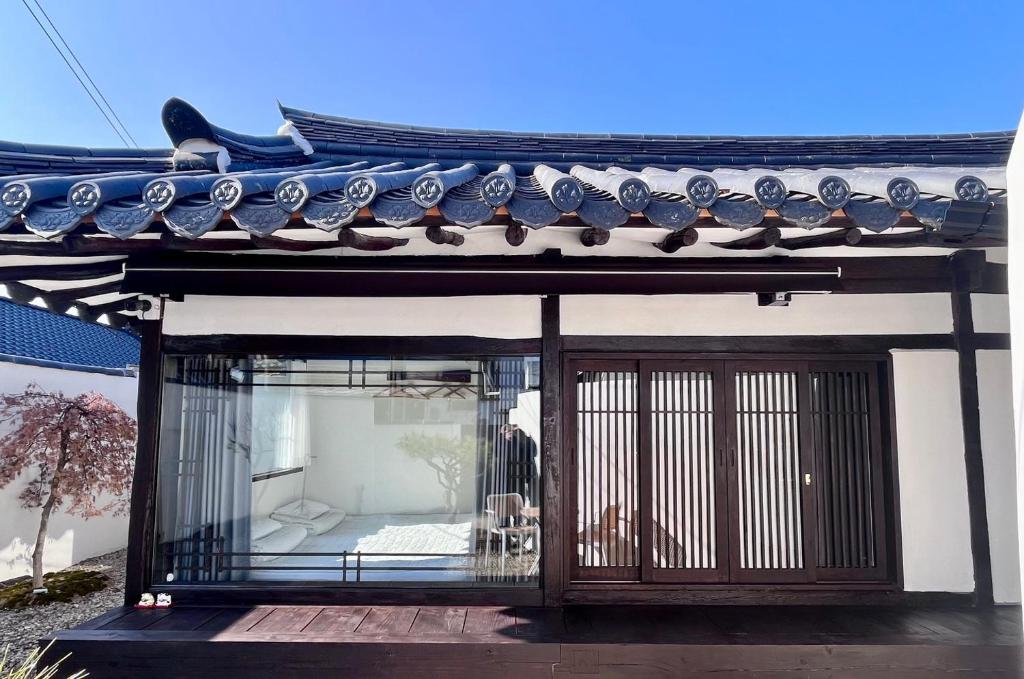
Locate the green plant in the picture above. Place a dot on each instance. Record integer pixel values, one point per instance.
(61, 586)
(29, 667)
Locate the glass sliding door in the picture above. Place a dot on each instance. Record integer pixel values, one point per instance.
(349, 470)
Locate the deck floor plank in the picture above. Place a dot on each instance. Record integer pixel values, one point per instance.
(490, 620)
(226, 618)
(334, 619)
(388, 620)
(286, 620)
(439, 620)
(139, 618)
(184, 620)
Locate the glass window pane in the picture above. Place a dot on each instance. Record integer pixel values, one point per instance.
(351, 470)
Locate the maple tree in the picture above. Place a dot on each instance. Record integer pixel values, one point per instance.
(77, 448)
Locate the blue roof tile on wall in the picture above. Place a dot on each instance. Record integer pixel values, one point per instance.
(29, 332)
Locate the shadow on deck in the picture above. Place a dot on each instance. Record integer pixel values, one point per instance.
(521, 643)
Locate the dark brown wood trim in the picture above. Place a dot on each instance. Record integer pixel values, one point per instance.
(551, 454)
(763, 344)
(967, 272)
(451, 345)
(740, 595)
(276, 473)
(262, 593)
(992, 340)
(891, 470)
(141, 521)
(178, 273)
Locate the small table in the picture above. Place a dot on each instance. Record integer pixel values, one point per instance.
(533, 514)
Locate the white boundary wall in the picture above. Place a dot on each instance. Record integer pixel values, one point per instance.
(71, 539)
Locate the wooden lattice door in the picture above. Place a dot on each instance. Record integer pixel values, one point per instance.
(705, 471)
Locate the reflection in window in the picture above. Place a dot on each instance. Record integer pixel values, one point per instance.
(349, 470)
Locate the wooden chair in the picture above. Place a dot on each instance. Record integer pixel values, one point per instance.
(504, 514)
(606, 535)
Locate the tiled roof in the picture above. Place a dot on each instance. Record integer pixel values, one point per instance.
(32, 333)
(325, 170)
(219, 190)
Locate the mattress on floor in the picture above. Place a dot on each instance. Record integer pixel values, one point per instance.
(315, 526)
(284, 539)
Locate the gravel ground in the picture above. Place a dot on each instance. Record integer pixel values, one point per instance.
(21, 629)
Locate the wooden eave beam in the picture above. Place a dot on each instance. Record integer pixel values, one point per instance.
(765, 238)
(60, 272)
(677, 240)
(839, 237)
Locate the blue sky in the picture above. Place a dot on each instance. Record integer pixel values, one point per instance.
(670, 67)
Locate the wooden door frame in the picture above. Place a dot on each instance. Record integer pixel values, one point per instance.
(886, 589)
(681, 576)
(738, 575)
(569, 489)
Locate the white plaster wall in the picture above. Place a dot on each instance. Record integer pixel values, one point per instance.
(357, 465)
(995, 401)
(269, 494)
(740, 315)
(991, 313)
(71, 539)
(500, 316)
(933, 482)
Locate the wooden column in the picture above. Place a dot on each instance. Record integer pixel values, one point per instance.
(967, 268)
(551, 458)
(141, 518)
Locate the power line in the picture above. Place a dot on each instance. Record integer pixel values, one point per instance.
(75, 73)
(85, 72)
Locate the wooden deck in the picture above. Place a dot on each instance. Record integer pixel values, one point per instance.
(521, 643)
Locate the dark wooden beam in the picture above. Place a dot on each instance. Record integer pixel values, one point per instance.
(141, 519)
(439, 275)
(60, 272)
(683, 238)
(447, 345)
(551, 453)
(278, 243)
(68, 294)
(515, 235)
(435, 234)
(109, 307)
(360, 241)
(839, 237)
(909, 239)
(765, 238)
(760, 344)
(594, 236)
(967, 271)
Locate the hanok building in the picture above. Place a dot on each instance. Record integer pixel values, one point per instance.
(404, 384)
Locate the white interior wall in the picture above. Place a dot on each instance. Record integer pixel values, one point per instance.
(269, 494)
(995, 400)
(933, 481)
(739, 315)
(357, 466)
(71, 539)
(508, 317)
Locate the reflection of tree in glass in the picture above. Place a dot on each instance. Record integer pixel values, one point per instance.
(446, 455)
